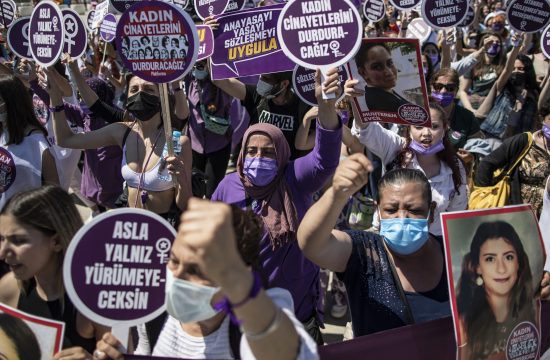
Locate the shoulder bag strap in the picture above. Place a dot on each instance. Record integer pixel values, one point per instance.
(523, 153)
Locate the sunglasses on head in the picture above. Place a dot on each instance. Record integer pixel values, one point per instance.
(448, 87)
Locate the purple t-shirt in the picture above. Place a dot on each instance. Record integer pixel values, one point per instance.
(286, 267)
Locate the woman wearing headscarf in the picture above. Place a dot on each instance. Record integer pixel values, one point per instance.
(280, 191)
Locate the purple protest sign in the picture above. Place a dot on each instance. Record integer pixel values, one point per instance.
(206, 8)
(245, 43)
(115, 267)
(107, 30)
(320, 33)
(182, 4)
(7, 13)
(157, 41)
(206, 41)
(442, 14)
(18, 38)
(405, 5)
(90, 20)
(122, 5)
(235, 5)
(75, 34)
(545, 44)
(469, 18)
(374, 10)
(418, 29)
(46, 33)
(528, 15)
(303, 82)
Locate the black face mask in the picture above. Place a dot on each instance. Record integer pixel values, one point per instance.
(143, 105)
(517, 79)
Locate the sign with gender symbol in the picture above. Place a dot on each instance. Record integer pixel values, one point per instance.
(528, 16)
(235, 5)
(46, 33)
(75, 34)
(545, 43)
(443, 14)
(107, 30)
(405, 5)
(206, 8)
(90, 20)
(7, 13)
(18, 38)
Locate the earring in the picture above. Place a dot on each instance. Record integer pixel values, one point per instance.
(479, 280)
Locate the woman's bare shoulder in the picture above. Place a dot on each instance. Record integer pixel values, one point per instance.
(9, 290)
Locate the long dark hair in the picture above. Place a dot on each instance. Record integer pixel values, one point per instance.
(19, 108)
(447, 155)
(23, 339)
(478, 318)
(530, 76)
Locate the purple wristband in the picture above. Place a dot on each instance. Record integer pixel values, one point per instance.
(225, 305)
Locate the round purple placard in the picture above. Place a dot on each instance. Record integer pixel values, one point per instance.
(182, 4)
(418, 29)
(206, 41)
(107, 30)
(18, 38)
(545, 42)
(122, 5)
(374, 10)
(115, 267)
(528, 15)
(469, 18)
(7, 13)
(157, 41)
(413, 114)
(443, 14)
(303, 82)
(46, 33)
(405, 5)
(523, 342)
(90, 20)
(76, 40)
(206, 8)
(320, 33)
(235, 5)
(7, 170)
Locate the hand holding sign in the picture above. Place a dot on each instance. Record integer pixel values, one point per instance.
(327, 92)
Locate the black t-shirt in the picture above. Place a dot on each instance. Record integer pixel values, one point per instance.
(380, 100)
(286, 117)
(463, 125)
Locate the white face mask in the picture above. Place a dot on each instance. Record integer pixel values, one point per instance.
(263, 88)
(187, 301)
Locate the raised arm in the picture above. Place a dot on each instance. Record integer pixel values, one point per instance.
(512, 56)
(86, 92)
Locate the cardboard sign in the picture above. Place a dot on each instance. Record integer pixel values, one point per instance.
(418, 29)
(38, 334)
(303, 83)
(405, 5)
(18, 38)
(206, 8)
(245, 43)
(235, 5)
(528, 16)
(46, 32)
(320, 33)
(374, 10)
(90, 20)
(495, 254)
(157, 41)
(101, 10)
(107, 30)
(76, 41)
(401, 98)
(115, 267)
(443, 14)
(206, 41)
(545, 42)
(7, 13)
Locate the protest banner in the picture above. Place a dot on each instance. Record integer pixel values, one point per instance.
(206, 41)
(182, 4)
(443, 14)
(90, 19)
(405, 5)
(35, 333)
(418, 29)
(7, 13)
(245, 43)
(46, 33)
(374, 10)
(235, 5)
(303, 83)
(100, 11)
(545, 42)
(206, 8)
(115, 268)
(76, 41)
(528, 16)
(495, 255)
(18, 38)
(107, 29)
(396, 99)
(469, 18)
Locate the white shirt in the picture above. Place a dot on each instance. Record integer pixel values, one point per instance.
(174, 342)
(544, 225)
(386, 145)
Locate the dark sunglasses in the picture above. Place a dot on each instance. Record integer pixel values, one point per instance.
(448, 87)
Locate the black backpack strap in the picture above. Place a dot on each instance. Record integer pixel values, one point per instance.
(235, 335)
(153, 329)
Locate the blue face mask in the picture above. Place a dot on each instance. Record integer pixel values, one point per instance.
(259, 170)
(200, 74)
(404, 236)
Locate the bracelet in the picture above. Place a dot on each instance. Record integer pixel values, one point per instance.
(57, 108)
(273, 326)
(225, 305)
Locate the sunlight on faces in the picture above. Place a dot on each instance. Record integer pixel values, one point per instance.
(136, 85)
(498, 266)
(260, 145)
(427, 136)
(403, 200)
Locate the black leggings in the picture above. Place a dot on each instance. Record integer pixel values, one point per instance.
(214, 166)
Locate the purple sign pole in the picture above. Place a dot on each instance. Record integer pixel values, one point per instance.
(303, 82)
(374, 10)
(442, 14)
(46, 33)
(75, 34)
(18, 38)
(405, 5)
(115, 267)
(206, 8)
(107, 30)
(7, 12)
(528, 16)
(545, 44)
(206, 41)
(246, 43)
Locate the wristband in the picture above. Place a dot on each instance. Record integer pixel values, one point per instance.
(57, 108)
(225, 305)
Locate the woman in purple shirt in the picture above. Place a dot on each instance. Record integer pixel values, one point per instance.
(280, 191)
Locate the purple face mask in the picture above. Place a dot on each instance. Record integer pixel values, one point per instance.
(546, 131)
(444, 99)
(497, 26)
(493, 50)
(260, 170)
(421, 150)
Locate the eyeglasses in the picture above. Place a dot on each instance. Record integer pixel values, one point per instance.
(448, 87)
